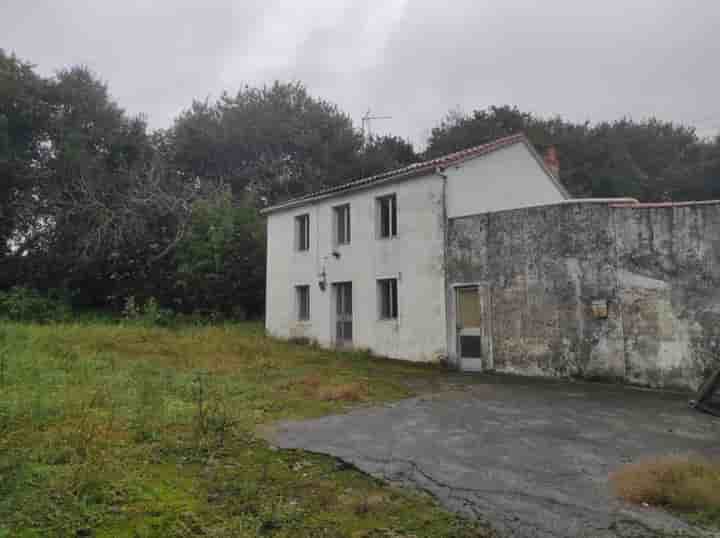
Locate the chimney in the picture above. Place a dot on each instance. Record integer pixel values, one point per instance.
(552, 162)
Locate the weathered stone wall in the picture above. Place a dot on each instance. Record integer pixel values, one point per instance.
(658, 268)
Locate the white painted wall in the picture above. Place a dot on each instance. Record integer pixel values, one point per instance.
(415, 257)
(508, 178)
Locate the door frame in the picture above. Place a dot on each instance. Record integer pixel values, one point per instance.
(485, 332)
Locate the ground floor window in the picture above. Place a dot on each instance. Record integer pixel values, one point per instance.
(302, 297)
(388, 298)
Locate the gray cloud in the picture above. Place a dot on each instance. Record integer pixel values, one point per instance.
(412, 59)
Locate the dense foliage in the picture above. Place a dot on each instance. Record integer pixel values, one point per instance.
(651, 159)
(94, 203)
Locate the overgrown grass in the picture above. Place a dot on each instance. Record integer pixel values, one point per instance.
(115, 430)
(684, 484)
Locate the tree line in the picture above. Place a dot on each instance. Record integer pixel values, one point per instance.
(97, 207)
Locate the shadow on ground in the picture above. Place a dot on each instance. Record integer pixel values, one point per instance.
(531, 457)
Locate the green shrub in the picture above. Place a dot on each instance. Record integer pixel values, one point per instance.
(154, 314)
(150, 313)
(29, 305)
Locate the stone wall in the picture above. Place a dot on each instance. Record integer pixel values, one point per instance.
(549, 272)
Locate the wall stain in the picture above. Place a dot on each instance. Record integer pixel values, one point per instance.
(657, 268)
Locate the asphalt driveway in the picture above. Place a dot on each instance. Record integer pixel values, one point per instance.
(531, 457)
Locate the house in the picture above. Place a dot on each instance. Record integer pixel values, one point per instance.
(481, 257)
(364, 264)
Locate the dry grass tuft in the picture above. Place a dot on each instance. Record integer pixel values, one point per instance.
(685, 483)
(368, 504)
(347, 392)
(311, 381)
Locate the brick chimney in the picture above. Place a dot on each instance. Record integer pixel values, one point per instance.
(551, 161)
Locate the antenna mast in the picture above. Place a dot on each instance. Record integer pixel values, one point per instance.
(366, 119)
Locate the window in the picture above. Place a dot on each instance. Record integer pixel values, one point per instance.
(387, 216)
(342, 224)
(388, 298)
(302, 232)
(302, 294)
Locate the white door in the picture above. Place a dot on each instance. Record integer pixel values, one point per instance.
(468, 312)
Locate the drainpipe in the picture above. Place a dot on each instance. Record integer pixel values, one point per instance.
(448, 331)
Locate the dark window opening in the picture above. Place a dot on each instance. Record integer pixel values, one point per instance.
(387, 291)
(387, 216)
(302, 232)
(342, 224)
(303, 302)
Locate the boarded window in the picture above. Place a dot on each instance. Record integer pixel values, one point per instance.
(468, 307)
(388, 298)
(342, 224)
(387, 216)
(302, 232)
(302, 294)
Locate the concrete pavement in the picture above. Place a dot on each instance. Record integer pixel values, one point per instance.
(532, 457)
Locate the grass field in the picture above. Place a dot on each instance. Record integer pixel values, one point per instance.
(114, 430)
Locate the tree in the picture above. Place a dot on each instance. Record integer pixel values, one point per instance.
(650, 159)
(273, 142)
(88, 202)
(221, 259)
(383, 153)
(24, 125)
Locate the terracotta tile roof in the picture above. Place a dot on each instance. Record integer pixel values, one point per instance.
(415, 169)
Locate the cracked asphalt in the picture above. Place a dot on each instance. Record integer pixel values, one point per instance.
(531, 457)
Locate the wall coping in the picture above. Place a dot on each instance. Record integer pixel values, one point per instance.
(613, 203)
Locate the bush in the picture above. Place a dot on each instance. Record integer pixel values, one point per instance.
(150, 313)
(25, 304)
(221, 261)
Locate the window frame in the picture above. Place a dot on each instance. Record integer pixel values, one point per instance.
(388, 299)
(342, 213)
(302, 232)
(392, 216)
(302, 314)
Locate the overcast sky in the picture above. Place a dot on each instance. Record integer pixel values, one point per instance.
(411, 59)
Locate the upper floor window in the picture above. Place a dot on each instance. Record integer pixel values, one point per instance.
(388, 298)
(342, 224)
(302, 232)
(387, 216)
(302, 299)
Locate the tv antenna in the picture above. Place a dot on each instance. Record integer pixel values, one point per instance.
(367, 118)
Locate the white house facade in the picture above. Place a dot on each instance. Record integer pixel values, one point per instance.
(363, 265)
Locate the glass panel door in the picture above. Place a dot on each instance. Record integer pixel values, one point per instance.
(343, 314)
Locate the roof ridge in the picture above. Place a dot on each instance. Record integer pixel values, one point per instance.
(447, 159)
